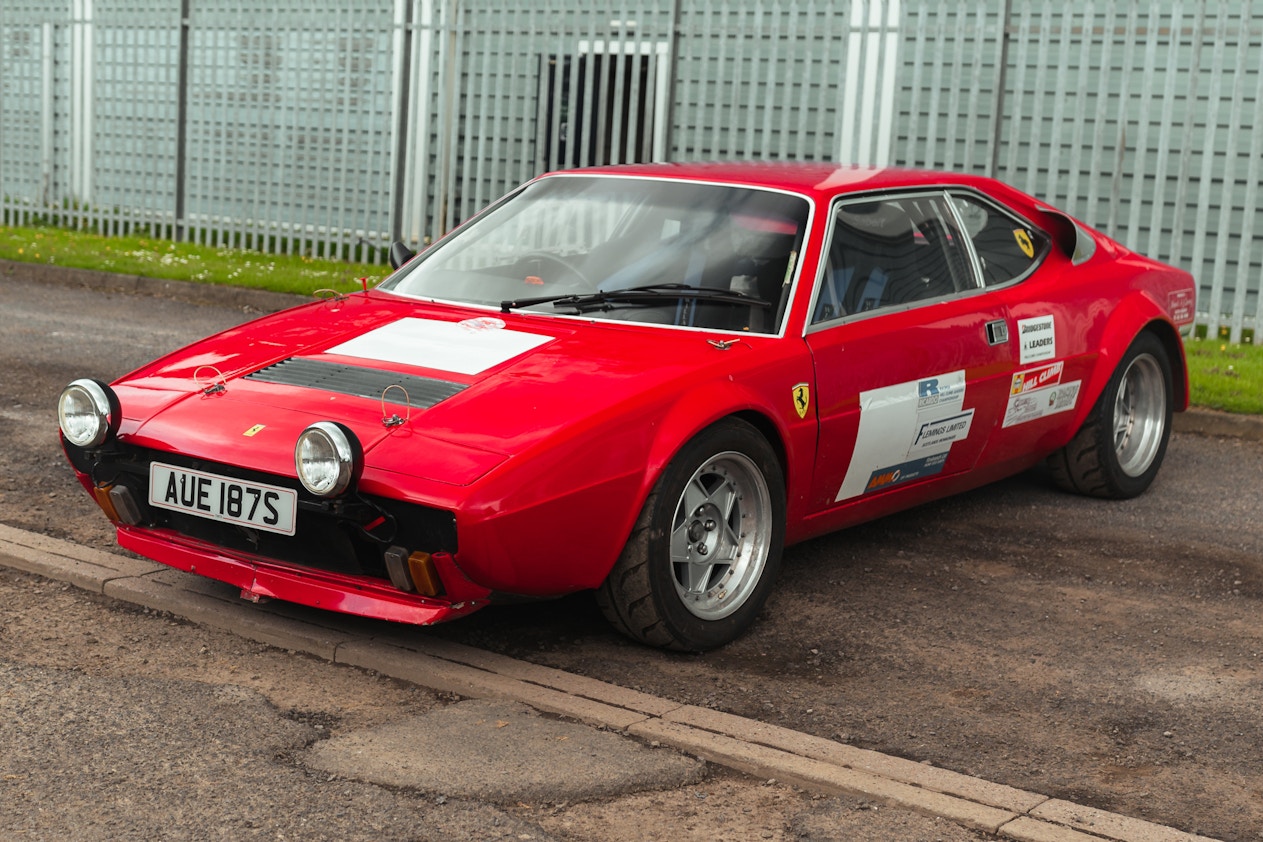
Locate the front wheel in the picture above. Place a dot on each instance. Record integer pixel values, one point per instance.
(706, 547)
(1121, 445)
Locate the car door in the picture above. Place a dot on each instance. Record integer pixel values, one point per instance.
(1050, 325)
(912, 356)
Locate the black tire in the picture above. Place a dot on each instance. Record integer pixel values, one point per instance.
(706, 548)
(1117, 452)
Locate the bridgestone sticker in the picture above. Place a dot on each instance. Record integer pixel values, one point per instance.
(1037, 339)
(906, 433)
(1040, 403)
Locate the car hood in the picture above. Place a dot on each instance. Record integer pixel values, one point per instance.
(442, 393)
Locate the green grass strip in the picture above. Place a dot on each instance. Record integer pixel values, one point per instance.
(153, 257)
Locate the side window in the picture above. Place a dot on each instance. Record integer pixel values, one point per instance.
(1007, 247)
(888, 252)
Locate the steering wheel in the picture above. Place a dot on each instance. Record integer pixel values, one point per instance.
(561, 262)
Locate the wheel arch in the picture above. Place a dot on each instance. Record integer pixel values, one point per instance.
(1135, 315)
(772, 433)
(704, 408)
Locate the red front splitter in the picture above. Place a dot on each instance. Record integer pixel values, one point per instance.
(255, 577)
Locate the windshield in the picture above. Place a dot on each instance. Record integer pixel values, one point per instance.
(698, 255)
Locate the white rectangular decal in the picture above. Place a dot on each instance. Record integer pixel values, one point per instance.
(1037, 339)
(1038, 403)
(906, 432)
(445, 346)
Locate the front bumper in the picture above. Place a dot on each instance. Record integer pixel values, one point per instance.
(257, 577)
(335, 559)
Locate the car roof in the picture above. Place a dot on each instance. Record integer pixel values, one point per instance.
(822, 180)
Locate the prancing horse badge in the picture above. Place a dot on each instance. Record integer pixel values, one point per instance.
(802, 399)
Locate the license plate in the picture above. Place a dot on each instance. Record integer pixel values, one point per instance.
(211, 496)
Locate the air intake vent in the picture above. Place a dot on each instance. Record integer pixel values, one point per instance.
(423, 392)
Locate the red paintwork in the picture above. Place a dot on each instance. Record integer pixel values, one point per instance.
(547, 459)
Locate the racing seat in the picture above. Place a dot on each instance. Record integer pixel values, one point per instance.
(879, 254)
(879, 258)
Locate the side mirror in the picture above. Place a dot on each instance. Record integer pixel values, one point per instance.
(400, 254)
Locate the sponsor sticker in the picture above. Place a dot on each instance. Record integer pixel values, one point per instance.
(1036, 378)
(934, 435)
(1040, 403)
(1037, 339)
(908, 471)
(1181, 304)
(906, 432)
(484, 323)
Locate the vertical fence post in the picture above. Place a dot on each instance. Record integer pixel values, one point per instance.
(449, 117)
(672, 83)
(1002, 80)
(403, 75)
(181, 120)
(81, 124)
(47, 104)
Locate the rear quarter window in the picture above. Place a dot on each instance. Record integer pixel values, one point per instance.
(1008, 248)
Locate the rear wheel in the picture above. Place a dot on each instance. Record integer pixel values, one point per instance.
(706, 547)
(1121, 445)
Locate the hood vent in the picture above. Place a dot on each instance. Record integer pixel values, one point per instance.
(422, 392)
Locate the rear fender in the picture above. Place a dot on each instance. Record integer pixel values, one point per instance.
(1135, 314)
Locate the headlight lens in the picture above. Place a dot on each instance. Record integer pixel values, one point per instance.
(328, 458)
(87, 413)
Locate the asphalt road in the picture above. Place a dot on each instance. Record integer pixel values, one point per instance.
(1105, 653)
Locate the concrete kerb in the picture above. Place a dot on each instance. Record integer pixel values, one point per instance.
(762, 750)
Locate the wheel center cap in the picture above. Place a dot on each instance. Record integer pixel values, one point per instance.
(703, 531)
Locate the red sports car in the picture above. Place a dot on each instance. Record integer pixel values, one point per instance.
(644, 381)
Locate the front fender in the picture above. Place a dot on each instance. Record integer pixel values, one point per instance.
(765, 399)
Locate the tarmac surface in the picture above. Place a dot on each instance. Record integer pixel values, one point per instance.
(605, 753)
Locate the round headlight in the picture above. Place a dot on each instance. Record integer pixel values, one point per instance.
(87, 413)
(328, 458)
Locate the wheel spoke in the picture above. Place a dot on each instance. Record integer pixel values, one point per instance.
(699, 574)
(725, 498)
(680, 544)
(730, 541)
(695, 496)
(1122, 413)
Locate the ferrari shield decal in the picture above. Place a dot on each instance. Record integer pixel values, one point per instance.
(1023, 238)
(253, 431)
(802, 399)
(906, 433)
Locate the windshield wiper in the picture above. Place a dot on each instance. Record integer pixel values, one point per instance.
(649, 293)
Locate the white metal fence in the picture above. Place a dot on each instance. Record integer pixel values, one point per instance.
(335, 126)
